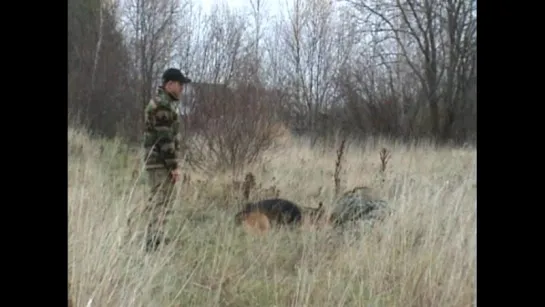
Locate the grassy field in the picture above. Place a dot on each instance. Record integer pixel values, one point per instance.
(424, 255)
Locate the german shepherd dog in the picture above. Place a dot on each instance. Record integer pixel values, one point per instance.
(260, 215)
(277, 210)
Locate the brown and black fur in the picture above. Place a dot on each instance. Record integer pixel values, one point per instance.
(278, 211)
(256, 223)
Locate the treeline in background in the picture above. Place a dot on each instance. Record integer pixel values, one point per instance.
(399, 69)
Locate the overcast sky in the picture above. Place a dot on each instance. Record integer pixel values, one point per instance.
(270, 6)
(207, 4)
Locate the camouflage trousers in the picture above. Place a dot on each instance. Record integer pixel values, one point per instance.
(159, 207)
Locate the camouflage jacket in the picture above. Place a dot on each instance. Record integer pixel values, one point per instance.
(162, 135)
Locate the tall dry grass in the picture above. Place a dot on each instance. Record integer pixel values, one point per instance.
(424, 255)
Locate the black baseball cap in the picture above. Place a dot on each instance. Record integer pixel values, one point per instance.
(174, 74)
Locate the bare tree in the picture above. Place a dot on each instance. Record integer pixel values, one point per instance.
(189, 51)
(231, 114)
(152, 29)
(101, 9)
(419, 29)
(257, 16)
(459, 23)
(365, 66)
(309, 50)
(99, 68)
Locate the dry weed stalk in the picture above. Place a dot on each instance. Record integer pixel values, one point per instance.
(248, 184)
(251, 186)
(338, 167)
(186, 179)
(384, 158)
(314, 216)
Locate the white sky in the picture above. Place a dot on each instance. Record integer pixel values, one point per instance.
(272, 7)
(207, 4)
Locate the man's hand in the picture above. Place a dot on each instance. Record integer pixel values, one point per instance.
(175, 175)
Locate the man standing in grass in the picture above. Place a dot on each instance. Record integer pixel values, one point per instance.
(162, 144)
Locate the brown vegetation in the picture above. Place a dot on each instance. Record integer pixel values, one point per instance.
(432, 190)
(314, 216)
(248, 185)
(338, 167)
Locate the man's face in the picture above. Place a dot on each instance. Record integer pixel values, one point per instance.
(175, 88)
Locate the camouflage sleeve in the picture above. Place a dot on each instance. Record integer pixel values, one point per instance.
(177, 134)
(148, 119)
